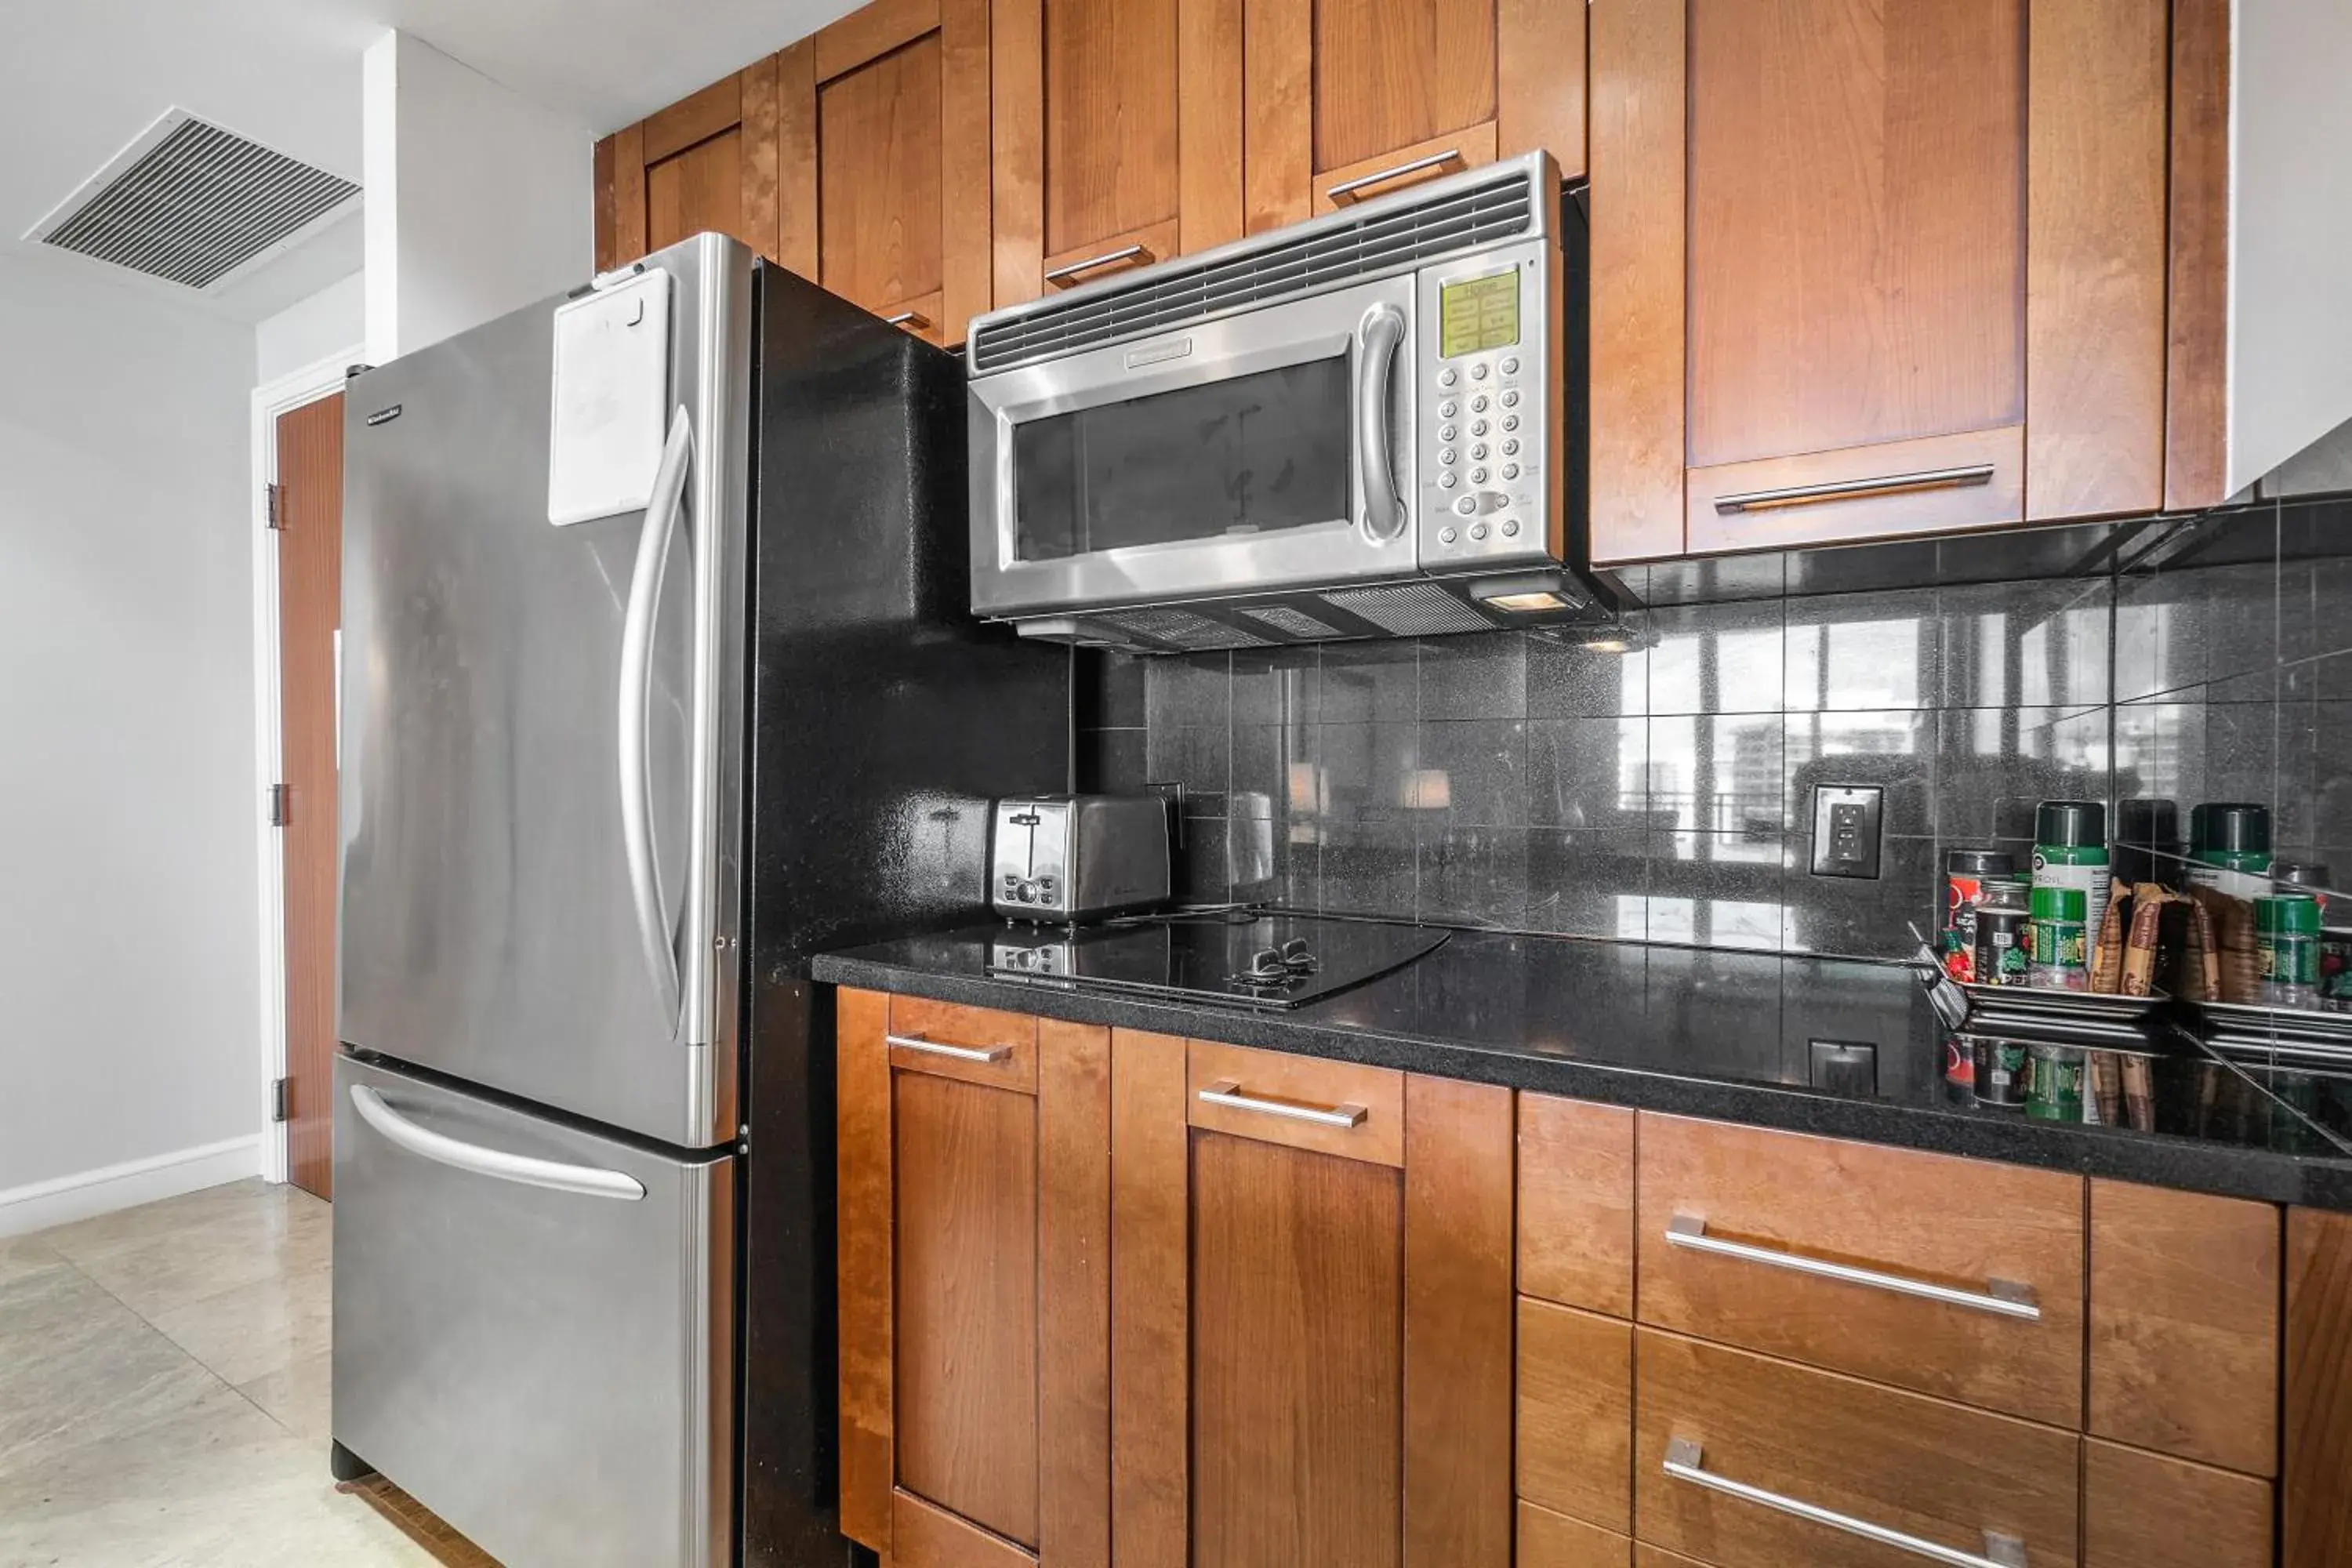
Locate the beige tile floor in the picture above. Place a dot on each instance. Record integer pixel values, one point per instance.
(164, 1396)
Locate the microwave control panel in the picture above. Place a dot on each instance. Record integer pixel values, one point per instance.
(1484, 402)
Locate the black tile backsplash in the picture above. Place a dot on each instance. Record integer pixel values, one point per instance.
(1512, 780)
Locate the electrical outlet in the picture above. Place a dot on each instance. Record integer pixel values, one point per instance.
(1846, 823)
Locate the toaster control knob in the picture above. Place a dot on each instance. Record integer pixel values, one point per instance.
(1028, 892)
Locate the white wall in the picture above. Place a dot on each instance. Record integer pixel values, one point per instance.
(300, 336)
(129, 999)
(478, 201)
(2290, 232)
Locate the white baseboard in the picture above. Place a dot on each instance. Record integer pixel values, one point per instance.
(61, 1199)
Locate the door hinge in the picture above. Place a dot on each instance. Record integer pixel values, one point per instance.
(277, 1099)
(275, 501)
(281, 804)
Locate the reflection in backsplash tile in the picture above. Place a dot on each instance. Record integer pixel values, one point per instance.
(1510, 779)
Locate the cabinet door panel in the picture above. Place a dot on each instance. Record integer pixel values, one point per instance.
(1110, 119)
(1401, 168)
(966, 1263)
(698, 189)
(1548, 1540)
(1298, 1328)
(1883, 301)
(1274, 1082)
(1883, 489)
(1576, 1415)
(878, 130)
(1390, 73)
(2141, 1510)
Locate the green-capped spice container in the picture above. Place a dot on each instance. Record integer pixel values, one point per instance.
(2286, 941)
(2059, 957)
(2070, 848)
(2230, 848)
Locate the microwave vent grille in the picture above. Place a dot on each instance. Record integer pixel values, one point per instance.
(1181, 629)
(1291, 623)
(1411, 609)
(1386, 240)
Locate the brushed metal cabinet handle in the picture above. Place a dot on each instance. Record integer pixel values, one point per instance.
(496, 1164)
(1966, 477)
(1346, 188)
(1228, 1093)
(1683, 1463)
(907, 319)
(960, 1053)
(1136, 253)
(2001, 1297)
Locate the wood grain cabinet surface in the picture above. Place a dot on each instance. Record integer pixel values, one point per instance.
(1868, 269)
(975, 1215)
(1755, 1207)
(2145, 1510)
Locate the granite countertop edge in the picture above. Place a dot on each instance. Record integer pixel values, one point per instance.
(2114, 1153)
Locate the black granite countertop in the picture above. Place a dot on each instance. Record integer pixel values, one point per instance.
(1737, 1036)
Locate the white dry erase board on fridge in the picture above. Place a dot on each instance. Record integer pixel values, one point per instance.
(612, 389)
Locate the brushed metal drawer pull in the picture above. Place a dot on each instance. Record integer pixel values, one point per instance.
(2002, 1297)
(1857, 490)
(1683, 1463)
(960, 1053)
(1228, 1093)
(1136, 253)
(907, 319)
(1339, 192)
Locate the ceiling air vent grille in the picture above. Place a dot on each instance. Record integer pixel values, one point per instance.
(190, 202)
(1329, 253)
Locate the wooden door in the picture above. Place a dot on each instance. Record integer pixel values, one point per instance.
(1118, 131)
(1865, 269)
(883, 161)
(1352, 99)
(1311, 1314)
(309, 511)
(974, 1210)
(706, 163)
(2316, 1504)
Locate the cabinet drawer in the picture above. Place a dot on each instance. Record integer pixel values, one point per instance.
(1575, 1413)
(1791, 1438)
(1548, 1540)
(978, 1045)
(1576, 1204)
(2144, 1510)
(1331, 1107)
(1953, 1276)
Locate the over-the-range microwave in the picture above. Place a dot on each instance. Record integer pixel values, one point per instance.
(1367, 424)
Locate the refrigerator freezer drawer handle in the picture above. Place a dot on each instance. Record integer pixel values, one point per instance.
(635, 722)
(426, 1144)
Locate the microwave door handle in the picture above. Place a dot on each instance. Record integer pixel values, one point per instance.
(1378, 338)
(635, 715)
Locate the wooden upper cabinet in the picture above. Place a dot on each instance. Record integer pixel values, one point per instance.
(707, 162)
(884, 167)
(1352, 98)
(1118, 136)
(1311, 1313)
(1865, 268)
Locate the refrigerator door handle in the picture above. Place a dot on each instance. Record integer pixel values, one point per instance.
(496, 1163)
(662, 510)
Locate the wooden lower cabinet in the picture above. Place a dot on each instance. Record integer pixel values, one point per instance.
(1926, 1468)
(1311, 1313)
(975, 1205)
(2145, 1510)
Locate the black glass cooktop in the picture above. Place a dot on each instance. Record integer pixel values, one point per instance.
(1240, 959)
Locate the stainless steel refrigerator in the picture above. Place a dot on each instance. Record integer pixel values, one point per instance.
(605, 786)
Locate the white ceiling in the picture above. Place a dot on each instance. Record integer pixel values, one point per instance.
(79, 79)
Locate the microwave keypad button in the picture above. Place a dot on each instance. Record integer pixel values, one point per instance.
(1490, 502)
(1447, 535)
(1478, 404)
(1448, 409)
(1467, 506)
(1447, 481)
(1477, 531)
(1510, 421)
(1478, 453)
(1511, 528)
(1477, 426)
(1478, 370)
(1477, 475)
(1447, 377)
(1510, 470)
(1511, 400)
(1446, 454)
(1511, 366)
(1446, 432)
(1511, 448)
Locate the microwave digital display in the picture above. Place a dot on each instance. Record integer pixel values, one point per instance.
(1478, 313)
